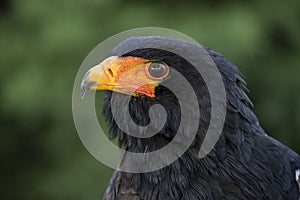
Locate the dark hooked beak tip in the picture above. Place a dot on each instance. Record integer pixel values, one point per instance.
(83, 89)
(86, 84)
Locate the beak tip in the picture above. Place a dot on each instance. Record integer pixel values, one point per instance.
(83, 89)
(86, 84)
(82, 93)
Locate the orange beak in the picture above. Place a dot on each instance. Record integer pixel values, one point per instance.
(127, 75)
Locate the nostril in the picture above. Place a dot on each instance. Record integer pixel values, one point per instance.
(111, 74)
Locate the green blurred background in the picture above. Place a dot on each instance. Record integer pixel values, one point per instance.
(44, 42)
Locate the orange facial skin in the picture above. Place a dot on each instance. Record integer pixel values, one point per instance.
(127, 75)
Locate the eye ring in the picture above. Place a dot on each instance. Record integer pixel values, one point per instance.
(157, 70)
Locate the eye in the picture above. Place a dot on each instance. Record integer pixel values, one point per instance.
(158, 70)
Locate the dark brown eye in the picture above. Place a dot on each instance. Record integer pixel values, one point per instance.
(158, 70)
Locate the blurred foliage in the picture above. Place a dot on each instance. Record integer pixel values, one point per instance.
(44, 42)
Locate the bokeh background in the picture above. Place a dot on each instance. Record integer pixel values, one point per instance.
(44, 42)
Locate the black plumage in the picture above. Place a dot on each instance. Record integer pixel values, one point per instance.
(244, 164)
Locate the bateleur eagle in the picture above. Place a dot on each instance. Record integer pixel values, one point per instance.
(245, 163)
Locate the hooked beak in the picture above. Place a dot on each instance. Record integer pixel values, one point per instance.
(127, 75)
